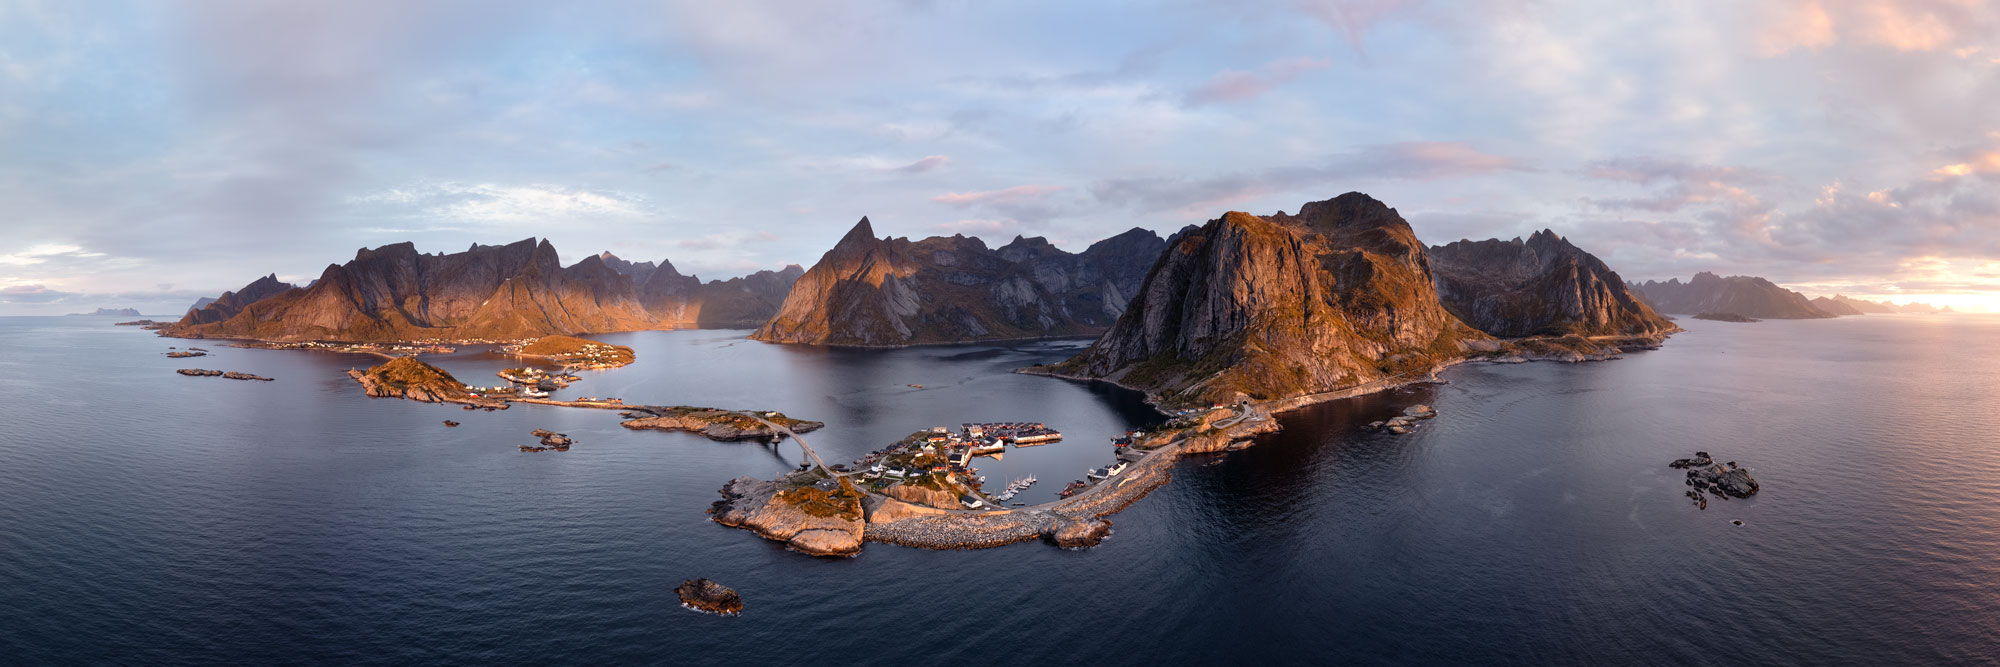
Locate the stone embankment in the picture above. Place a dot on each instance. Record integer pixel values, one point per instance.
(1073, 522)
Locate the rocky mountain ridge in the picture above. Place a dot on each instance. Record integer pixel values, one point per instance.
(1544, 286)
(518, 290)
(869, 291)
(1749, 296)
(1272, 307)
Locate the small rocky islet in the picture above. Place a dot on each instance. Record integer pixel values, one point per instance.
(551, 441)
(1722, 480)
(1405, 422)
(233, 375)
(705, 595)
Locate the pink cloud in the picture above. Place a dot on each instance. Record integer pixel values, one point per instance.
(1237, 85)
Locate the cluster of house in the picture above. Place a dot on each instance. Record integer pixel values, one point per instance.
(385, 348)
(1022, 434)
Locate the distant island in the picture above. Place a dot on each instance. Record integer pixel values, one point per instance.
(1725, 317)
(1748, 296)
(119, 312)
(409, 378)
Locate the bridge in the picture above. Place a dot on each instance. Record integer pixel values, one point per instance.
(810, 454)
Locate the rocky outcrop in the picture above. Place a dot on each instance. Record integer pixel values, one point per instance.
(1280, 306)
(1544, 286)
(118, 312)
(1725, 317)
(1744, 295)
(393, 292)
(928, 497)
(766, 509)
(405, 377)
(705, 595)
(231, 303)
(1723, 480)
(720, 425)
(883, 292)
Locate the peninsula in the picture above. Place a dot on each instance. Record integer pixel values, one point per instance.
(406, 377)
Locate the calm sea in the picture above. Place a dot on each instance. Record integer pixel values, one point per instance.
(152, 519)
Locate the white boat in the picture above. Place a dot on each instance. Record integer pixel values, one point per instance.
(1118, 468)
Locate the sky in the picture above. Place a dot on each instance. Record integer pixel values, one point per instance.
(155, 152)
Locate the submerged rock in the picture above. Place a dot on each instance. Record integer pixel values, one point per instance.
(705, 595)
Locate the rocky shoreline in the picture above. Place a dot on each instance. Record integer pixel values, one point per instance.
(233, 375)
(721, 425)
(1074, 522)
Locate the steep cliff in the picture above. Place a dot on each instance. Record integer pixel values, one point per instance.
(1280, 306)
(1544, 286)
(638, 271)
(1749, 296)
(870, 291)
(393, 292)
(231, 303)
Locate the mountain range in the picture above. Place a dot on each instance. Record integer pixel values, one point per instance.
(1543, 286)
(1270, 307)
(869, 291)
(1748, 296)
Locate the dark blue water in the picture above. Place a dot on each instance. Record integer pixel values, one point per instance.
(149, 518)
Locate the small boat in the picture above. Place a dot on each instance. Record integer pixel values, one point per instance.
(1097, 473)
(917, 386)
(1117, 468)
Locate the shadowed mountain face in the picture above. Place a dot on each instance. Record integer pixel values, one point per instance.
(1542, 287)
(231, 303)
(395, 293)
(737, 303)
(638, 271)
(1859, 306)
(1748, 296)
(1280, 306)
(870, 291)
(1839, 307)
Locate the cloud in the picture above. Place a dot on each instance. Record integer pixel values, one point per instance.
(32, 294)
(1353, 18)
(1025, 203)
(1682, 184)
(43, 252)
(1240, 85)
(492, 203)
(1208, 196)
(978, 227)
(1901, 25)
(929, 163)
